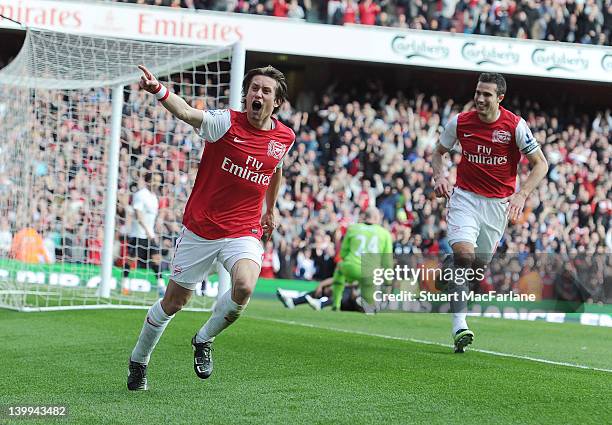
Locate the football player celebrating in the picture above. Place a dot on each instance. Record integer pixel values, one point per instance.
(223, 217)
(492, 141)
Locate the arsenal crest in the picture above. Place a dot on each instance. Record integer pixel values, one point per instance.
(501, 136)
(276, 149)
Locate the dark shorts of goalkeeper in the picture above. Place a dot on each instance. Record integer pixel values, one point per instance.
(143, 250)
(349, 302)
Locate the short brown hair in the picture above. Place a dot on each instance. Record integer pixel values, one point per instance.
(494, 77)
(267, 71)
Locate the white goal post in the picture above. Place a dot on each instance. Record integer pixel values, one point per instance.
(78, 140)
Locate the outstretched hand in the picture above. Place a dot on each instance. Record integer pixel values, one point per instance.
(148, 82)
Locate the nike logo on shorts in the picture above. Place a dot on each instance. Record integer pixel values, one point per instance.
(237, 140)
(468, 134)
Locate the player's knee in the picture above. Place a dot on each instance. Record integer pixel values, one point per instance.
(244, 278)
(173, 303)
(243, 287)
(170, 307)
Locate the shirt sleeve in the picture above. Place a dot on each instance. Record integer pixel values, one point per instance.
(345, 248)
(137, 202)
(448, 138)
(524, 139)
(215, 123)
(282, 161)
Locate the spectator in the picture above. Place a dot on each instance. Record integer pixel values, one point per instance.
(270, 264)
(28, 246)
(588, 22)
(368, 11)
(351, 11)
(305, 265)
(280, 8)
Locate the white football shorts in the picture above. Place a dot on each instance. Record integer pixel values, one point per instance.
(194, 256)
(478, 220)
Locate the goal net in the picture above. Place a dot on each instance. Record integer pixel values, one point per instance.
(80, 144)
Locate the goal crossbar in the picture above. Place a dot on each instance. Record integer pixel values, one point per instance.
(120, 58)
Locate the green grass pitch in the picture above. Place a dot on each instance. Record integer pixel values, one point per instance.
(299, 366)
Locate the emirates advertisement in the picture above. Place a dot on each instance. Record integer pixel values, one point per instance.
(153, 24)
(283, 36)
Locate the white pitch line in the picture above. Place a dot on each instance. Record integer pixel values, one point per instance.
(422, 341)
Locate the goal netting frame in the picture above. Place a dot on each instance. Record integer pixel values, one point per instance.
(90, 82)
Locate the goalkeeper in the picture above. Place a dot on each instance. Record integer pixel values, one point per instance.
(362, 238)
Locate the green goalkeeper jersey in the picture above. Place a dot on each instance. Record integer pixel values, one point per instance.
(363, 239)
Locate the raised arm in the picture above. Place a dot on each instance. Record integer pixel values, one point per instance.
(172, 102)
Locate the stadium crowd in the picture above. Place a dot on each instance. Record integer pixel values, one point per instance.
(574, 21)
(351, 152)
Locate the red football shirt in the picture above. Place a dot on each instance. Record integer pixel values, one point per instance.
(234, 174)
(490, 152)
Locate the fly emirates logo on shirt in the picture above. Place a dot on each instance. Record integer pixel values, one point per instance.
(483, 155)
(250, 171)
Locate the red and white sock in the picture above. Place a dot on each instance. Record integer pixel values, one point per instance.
(154, 325)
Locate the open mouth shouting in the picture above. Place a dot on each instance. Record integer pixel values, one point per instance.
(256, 105)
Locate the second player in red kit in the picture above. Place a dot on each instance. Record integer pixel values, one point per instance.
(492, 141)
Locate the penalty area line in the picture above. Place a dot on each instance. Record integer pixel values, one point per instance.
(425, 342)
